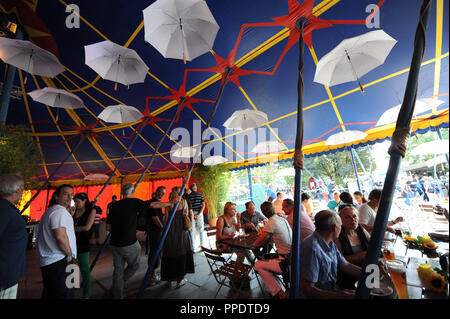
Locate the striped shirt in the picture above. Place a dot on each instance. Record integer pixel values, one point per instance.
(97, 219)
(196, 200)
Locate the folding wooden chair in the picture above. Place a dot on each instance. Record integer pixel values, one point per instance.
(211, 234)
(226, 272)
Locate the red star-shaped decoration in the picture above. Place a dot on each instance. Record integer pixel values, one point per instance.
(297, 11)
(151, 119)
(228, 63)
(179, 96)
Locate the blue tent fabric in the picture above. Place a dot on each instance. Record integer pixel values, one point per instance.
(343, 108)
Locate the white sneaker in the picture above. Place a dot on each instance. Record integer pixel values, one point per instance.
(180, 284)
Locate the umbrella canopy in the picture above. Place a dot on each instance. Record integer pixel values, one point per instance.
(180, 29)
(353, 58)
(115, 63)
(57, 98)
(289, 171)
(96, 177)
(268, 147)
(29, 57)
(422, 105)
(214, 160)
(245, 119)
(120, 114)
(431, 148)
(346, 137)
(185, 152)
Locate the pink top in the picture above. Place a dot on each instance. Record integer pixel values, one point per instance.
(307, 226)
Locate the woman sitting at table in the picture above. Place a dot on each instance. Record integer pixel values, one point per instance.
(227, 226)
(352, 242)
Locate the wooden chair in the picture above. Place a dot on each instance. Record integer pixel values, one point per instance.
(211, 234)
(426, 208)
(226, 272)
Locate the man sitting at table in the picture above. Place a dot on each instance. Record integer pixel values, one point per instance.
(307, 226)
(250, 218)
(278, 231)
(320, 260)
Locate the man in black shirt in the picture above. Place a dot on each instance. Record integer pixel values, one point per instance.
(155, 225)
(125, 247)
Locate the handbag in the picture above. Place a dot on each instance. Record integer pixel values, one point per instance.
(187, 223)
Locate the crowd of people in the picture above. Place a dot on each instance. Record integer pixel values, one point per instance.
(333, 242)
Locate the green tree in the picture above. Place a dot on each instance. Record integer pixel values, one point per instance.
(419, 139)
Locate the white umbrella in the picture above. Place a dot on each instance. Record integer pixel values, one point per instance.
(56, 98)
(289, 171)
(244, 119)
(29, 57)
(345, 137)
(214, 160)
(421, 106)
(430, 148)
(180, 29)
(96, 177)
(120, 114)
(115, 63)
(353, 58)
(268, 147)
(185, 152)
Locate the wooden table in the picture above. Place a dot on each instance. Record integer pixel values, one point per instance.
(245, 242)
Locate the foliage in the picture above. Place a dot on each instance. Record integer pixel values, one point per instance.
(418, 139)
(19, 154)
(214, 183)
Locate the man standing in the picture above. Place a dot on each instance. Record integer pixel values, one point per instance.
(198, 206)
(155, 226)
(270, 193)
(250, 218)
(307, 226)
(13, 236)
(56, 245)
(320, 260)
(278, 231)
(335, 202)
(108, 208)
(125, 247)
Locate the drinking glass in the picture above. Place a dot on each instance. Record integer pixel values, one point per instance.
(397, 272)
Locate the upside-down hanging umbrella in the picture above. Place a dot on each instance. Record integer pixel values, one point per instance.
(115, 63)
(56, 98)
(120, 114)
(180, 29)
(268, 147)
(354, 57)
(96, 177)
(214, 160)
(431, 148)
(245, 119)
(289, 171)
(185, 152)
(422, 105)
(29, 57)
(345, 137)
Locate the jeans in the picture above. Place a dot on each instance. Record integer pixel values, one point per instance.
(199, 225)
(9, 293)
(54, 278)
(131, 255)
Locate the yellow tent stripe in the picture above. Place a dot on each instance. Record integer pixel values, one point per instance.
(437, 65)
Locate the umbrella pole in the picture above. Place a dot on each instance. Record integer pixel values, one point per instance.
(172, 215)
(249, 173)
(107, 183)
(298, 164)
(396, 151)
(7, 86)
(46, 183)
(354, 168)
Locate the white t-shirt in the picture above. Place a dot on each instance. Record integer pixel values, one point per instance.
(47, 248)
(281, 233)
(366, 215)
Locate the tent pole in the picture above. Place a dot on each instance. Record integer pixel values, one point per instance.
(186, 180)
(354, 168)
(46, 183)
(396, 151)
(298, 164)
(107, 183)
(249, 173)
(7, 86)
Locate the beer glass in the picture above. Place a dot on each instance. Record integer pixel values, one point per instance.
(397, 271)
(388, 251)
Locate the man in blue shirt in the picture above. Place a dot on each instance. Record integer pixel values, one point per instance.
(320, 260)
(13, 236)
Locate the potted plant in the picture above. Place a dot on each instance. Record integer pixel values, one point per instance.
(213, 182)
